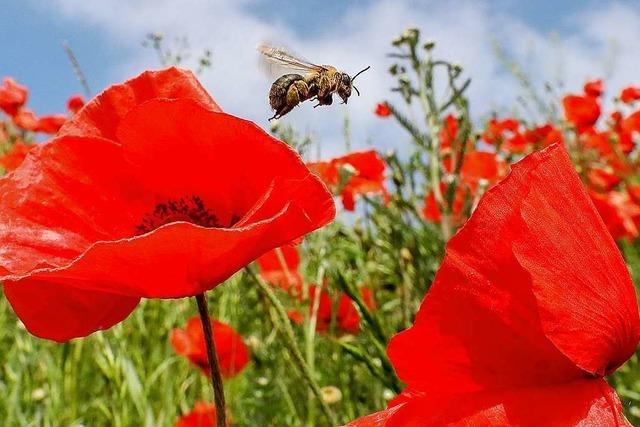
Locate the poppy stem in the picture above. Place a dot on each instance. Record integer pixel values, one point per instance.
(214, 364)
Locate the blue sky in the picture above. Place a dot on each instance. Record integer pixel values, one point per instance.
(106, 36)
(35, 34)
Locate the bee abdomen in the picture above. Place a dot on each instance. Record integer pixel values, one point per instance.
(279, 88)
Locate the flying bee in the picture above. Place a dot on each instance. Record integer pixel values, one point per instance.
(312, 82)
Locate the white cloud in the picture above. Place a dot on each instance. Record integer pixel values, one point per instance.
(464, 31)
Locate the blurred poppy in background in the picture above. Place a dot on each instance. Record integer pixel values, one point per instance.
(281, 269)
(75, 103)
(594, 88)
(12, 96)
(357, 173)
(202, 415)
(582, 111)
(346, 315)
(382, 110)
(630, 94)
(15, 156)
(233, 354)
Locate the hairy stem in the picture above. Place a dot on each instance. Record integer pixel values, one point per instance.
(214, 365)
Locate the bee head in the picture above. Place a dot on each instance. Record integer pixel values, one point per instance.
(346, 83)
(344, 87)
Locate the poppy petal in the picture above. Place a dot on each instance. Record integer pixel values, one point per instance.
(231, 188)
(585, 296)
(67, 194)
(501, 340)
(156, 266)
(102, 115)
(580, 403)
(59, 312)
(377, 419)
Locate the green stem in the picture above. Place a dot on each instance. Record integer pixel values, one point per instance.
(311, 335)
(214, 364)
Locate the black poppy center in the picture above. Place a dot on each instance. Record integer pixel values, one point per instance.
(189, 209)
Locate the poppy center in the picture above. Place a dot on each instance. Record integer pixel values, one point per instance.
(188, 209)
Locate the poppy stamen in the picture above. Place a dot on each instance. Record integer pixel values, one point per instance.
(189, 209)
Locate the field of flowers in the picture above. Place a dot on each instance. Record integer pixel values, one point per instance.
(483, 276)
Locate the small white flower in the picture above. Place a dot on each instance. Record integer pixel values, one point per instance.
(331, 394)
(38, 394)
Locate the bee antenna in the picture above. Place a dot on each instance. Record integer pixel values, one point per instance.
(360, 72)
(357, 91)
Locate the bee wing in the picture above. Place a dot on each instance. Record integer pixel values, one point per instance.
(277, 61)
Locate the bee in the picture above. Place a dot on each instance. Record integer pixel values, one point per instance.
(312, 82)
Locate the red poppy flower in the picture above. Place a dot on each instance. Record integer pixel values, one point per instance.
(143, 194)
(603, 178)
(623, 136)
(619, 212)
(582, 111)
(233, 354)
(75, 103)
(543, 136)
(325, 308)
(431, 210)
(633, 188)
(366, 175)
(347, 315)
(449, 132)
(481, 165)
(630, 94)
(15, 156)
(508, 337)
(285, 276)
(516, 144)
(600, 141)
(12, 96)
(25, 119)
(497, 130)
(631, 123)
(594, 87)
(295, 316)
(202, 415)
(382, 110)
(50, 124)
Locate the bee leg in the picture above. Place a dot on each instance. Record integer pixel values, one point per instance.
(303, 90)
(326, 100)
(293, 97)
(324, 87)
